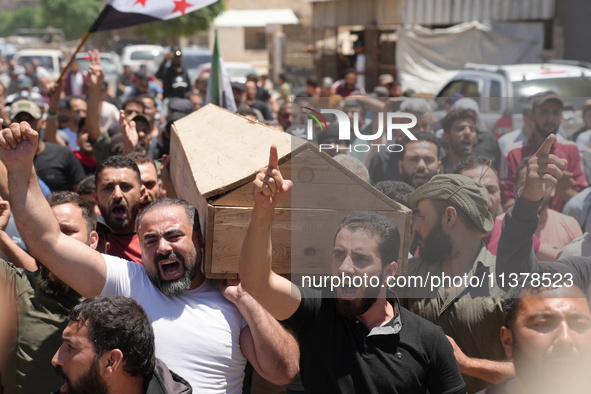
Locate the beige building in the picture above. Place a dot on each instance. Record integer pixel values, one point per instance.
(272, 35)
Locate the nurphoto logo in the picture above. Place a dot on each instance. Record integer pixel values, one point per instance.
(392, 119)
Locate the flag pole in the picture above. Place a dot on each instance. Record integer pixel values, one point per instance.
(82, 42)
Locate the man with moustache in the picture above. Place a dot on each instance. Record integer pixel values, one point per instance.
(546, 118)
(108, 347)
(547, 333)
(119, 191)
(203, 332)
(450, 218)
(149, 177)
(459, 132)
(420, 159)
(354, 339)
(43, 300)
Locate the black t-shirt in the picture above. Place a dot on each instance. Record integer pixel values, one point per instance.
(340, 355)
(58, 167)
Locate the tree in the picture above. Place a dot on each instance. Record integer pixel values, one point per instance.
(185, 25)
(25, 17)
(73, 16)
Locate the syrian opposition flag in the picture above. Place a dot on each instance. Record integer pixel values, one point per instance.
(219, 88)
(118, 14)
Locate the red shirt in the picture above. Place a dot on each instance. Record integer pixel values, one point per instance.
(126, 246)
(524, 149)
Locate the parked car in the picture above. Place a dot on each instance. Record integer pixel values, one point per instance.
(137, 55)
(501, 91)
(111, 64)
(236, 71)
(193, 57)
(50, 59)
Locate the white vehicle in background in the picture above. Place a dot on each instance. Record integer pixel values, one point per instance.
(137, 56)
(111, 64)
(50, 59)
(237, 71)
(193, 57)
(502, 90)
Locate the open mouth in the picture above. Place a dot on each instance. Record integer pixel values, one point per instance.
(170, 269)
(119, 211)
(420, 178)
(348, 292)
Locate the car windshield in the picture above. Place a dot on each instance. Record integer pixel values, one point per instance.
(574, 91)
(194, 61)
(147, 54)
(107, 64)
(44, 61)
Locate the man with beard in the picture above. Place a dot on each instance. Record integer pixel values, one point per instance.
(199, 328)
(420, 159)
(383, 165)
(108, 347)
(450, 218)
(547, 116)
(149, 177)
(459, 132)
(355, 339)
(119, 191)
(43, 300)
(547, 333)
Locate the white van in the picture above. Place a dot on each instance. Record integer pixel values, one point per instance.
(138, 55)
(51, 59)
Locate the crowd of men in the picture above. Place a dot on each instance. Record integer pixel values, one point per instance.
(103, 263)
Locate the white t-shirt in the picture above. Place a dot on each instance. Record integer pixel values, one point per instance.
(197, 334)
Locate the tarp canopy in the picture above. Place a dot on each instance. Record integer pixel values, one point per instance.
(427, 58)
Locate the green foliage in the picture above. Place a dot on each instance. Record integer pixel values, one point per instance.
(26, 17)
(185, 25)
(74, 16)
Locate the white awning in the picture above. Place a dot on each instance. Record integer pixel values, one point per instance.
(256, 18)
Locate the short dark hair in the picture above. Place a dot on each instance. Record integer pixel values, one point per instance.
(421, 136)
(117, 162)
(147, 96)
(396, 190)
(69, 100)
(116, 322)
(190, 210)
(457, 114)
(140, 158)
(311, 82)
(69, 197)
(472, 162)
(135, 100)
(378, 224)
(86, 185)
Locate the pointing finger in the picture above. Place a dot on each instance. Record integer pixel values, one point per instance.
(546, 146)
(273, 157)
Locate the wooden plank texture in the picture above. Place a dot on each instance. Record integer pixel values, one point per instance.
(302, 239)
(225, 149)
